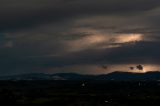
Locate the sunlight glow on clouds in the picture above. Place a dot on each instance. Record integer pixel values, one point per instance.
(124, 38)
(146, 68)
(106, 41)
(98, 68)
(86, 42)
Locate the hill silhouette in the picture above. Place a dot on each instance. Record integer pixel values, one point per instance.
(116, 76)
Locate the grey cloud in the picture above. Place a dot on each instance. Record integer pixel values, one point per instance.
(23, 13)
(34, 32)
(141, 53)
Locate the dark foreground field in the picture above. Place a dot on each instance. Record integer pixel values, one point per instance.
(79, 93)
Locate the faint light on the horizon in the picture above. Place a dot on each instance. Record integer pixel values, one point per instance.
(146, 68)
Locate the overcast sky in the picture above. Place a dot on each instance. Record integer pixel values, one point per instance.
(81, 36)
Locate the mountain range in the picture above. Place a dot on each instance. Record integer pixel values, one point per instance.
(114, 76)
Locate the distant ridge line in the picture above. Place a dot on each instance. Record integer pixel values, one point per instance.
(116, 76)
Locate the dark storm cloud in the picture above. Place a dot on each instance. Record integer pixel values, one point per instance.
(16, 14)
(142, 52)
(40, 34)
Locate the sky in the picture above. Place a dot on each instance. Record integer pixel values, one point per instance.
(80, 36)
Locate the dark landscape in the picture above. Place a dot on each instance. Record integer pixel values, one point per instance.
(78, 92)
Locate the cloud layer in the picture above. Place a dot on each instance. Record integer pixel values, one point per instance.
(50, 36)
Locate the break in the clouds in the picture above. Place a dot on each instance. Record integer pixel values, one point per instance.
(78, 35)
